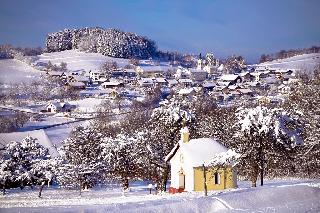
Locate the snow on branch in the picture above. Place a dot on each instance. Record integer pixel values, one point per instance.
(228, 158)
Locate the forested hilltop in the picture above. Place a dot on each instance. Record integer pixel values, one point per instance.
(109, 42)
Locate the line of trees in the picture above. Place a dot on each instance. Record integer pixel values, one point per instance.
(8, 51)
(288, 53)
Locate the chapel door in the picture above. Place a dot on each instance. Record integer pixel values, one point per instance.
(181, 181)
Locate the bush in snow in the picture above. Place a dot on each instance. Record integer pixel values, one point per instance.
(25, 163)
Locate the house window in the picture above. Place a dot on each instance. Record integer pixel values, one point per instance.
(216, 178)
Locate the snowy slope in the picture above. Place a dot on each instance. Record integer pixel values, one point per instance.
(274, 196)
(77, 60)
(14, 71)
(303, 62)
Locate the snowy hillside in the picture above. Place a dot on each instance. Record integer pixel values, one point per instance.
(14, 71)
(302, 62)
(275, 196)
(77, 60)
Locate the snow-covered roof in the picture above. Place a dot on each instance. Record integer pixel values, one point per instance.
(42, 137)
(185, 80)
(234, 93)
(243, 74)
(81, 78)
(55, 73)
(172, 81)
(229, 77)
(209, 84)
(111, 83)
(58, 105)
(161, 80)
(223, 83)
(185, 91)
(77, 84)
(245, 91)
(198, 151)
(232, 87)
(221, 67)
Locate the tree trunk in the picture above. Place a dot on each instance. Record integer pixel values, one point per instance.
(4, 189)
(261, 163)
(165, 178)
(80, 186)
(125, 183)
(41, 188)
(254, 175)
(205, 180)
(261, 170)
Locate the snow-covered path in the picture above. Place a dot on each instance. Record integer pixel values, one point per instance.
(275, 196)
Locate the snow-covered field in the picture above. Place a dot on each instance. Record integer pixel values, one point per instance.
(60, 133)
(77, 60)
(14, 71)
(305, 62)
(274, 196)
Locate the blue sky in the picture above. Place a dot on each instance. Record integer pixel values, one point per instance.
(224, 27)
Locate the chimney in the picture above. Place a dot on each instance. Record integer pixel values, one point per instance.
(185, 134)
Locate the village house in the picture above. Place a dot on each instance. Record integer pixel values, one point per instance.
(208, 86)
(246, 77)
(112, 84)
(189, 159)
(172, 82)
(161, 81)
(187, 92)
(182, 73)
(198, 75)
(186, 82)
(79, 78)
(76, 85)
(96, 76)
(146, 82)
(123, 73)
(284, 89)
(55, 107)
(55, 74)
(229, 79)
(151, 71)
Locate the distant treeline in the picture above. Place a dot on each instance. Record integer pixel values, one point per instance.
(7, 51)
(288, 53)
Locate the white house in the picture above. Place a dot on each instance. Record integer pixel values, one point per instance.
(146, 82)
(172, 82)
(229, 79)
(55, 107)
